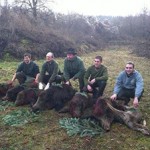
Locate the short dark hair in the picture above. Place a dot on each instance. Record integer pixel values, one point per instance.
(99, 57)
(130, 63)
(27, 54)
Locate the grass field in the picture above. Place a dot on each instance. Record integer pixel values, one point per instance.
(45, 132)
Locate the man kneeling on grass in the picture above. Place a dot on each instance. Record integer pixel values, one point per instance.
(129, 84)
(95, 77)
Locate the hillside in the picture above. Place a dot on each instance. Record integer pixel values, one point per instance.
(21, 31)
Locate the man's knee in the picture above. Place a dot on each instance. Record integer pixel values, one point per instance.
(102, 83)
(21, 77)
(126, 100)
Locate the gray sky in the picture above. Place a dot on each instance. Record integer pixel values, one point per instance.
(99, 7)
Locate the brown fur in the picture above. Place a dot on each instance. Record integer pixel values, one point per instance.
(12, 93)
(27, 96)
(107, 112)
(55, 97)
(131, 119)
(102, 112)
(79, 103)
(4, 87)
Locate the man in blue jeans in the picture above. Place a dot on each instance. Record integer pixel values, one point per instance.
(95, 77)
(129, 84)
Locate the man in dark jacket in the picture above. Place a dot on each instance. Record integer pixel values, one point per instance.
(26, 70)
(74, 68)
(49, 72)
(96, 76)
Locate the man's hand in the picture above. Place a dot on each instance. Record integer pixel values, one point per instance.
(113, 97)
(92, 81)
(10, 82)
(36, 80)
(135, 102)
(89, 88)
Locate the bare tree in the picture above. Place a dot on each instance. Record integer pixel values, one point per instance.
(33, 5)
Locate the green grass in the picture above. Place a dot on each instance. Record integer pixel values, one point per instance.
(46, 134)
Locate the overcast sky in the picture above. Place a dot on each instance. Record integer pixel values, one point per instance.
(101, 7)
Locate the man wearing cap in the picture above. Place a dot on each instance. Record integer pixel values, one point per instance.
(49, 72)
(74, 68)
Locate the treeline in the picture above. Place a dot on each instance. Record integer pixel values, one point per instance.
(21, 32)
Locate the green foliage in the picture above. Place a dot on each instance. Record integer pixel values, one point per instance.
(5, 104)
(83, 127)
(19, 117)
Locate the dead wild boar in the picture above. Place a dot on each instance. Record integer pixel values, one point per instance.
(103, 114)
(131, 117)
(11, 94)
(27, 96)
(55, 97)
(79, 104)
(4, 87)
(107, 112)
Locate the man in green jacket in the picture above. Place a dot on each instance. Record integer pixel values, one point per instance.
(96, 76)
(74, 68)
(49, 72)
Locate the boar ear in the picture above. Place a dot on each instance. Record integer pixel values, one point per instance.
(65, 109)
